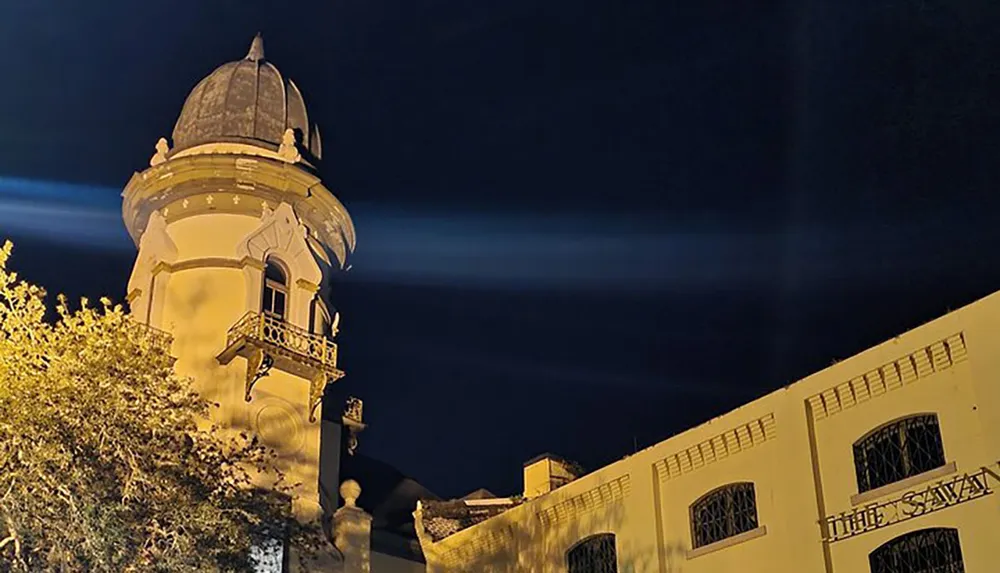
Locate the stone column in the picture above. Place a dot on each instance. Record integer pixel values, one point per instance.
(352, 530)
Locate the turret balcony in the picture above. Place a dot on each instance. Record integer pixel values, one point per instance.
(268, 342)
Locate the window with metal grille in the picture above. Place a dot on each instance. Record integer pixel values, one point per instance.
(897, 451)
(724, 512)
(275, 290)
(924, 551)
(595, 554)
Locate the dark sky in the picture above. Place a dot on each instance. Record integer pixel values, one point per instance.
(582, 225)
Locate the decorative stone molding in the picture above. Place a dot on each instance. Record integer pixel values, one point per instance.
(155, 248)
(133, 295)
(239, 184)
(903, 484)
(905, 370)
(208, 263)
(279, 425)
(595, 498)
(728, 443)
(307, 286)
(727, 542)
(496, 540)
(281, 235)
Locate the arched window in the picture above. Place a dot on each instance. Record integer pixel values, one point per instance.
(320, 318)
(722, 513)
(924, 551)
(897, 451)
(595, 554)
(275, 299)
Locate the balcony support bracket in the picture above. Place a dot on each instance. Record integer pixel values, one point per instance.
(259, 364)
(317, 384)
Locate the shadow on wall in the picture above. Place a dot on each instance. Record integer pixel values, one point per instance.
(523, 540)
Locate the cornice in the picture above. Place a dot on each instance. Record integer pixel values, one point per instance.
(208, 262)
(199, 184)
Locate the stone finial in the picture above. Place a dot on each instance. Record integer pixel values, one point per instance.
(289, 150)
(256, 52)
(162, 148)
(350, 490)
(351, 529)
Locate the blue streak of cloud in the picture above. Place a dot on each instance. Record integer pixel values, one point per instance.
(583, 251)
(62, 213)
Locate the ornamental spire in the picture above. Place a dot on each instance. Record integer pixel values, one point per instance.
(256, 52)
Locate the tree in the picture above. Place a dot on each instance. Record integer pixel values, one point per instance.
(102, 464)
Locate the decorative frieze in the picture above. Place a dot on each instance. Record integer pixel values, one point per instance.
(595, 498)
(482, 546)
(728, 443)
(905, 370)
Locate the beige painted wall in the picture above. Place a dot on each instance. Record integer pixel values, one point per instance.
(795, 445)
(207, 290)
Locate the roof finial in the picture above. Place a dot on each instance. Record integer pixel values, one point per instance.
(256, 52)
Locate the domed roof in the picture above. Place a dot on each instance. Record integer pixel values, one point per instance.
(246, 101)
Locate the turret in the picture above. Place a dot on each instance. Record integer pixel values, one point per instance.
(239, 242)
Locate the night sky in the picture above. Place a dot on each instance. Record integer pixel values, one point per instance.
(583, 226)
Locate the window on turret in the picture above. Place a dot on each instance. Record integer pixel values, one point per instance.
(897, 451)
(275, 299)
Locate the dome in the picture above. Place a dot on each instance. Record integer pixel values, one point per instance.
(246, 101)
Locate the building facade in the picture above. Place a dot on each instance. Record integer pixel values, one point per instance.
(240, 243)
(885, 462)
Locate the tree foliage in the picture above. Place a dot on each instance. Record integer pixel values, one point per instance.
(102, 464)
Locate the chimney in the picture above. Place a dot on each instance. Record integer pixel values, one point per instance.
(547, 472)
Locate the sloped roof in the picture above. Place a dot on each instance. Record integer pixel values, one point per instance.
(443, 518)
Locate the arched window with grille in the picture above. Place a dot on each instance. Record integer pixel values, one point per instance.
(724, 512)
(933, 550)
(595, 554)
(898, 450)
(274, 301)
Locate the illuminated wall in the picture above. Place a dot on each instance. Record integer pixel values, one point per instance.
(777, 485)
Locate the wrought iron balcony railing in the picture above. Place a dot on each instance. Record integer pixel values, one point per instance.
(268, 342)
(160, 338)
(275, 332)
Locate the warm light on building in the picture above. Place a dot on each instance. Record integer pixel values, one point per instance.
(886, 462)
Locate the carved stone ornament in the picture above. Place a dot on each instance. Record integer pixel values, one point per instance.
(280, 233)
(162, 148)
(288, 150)
(335, 327)
(351, 419)
(353, 409)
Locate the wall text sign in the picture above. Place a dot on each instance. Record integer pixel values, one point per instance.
(913, 503)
